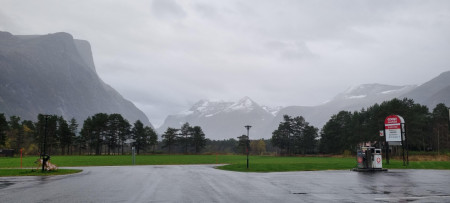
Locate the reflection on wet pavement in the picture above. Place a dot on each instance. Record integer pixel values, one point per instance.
(204, 183)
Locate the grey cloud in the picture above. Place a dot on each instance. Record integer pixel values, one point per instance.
(206, 10)
(167, 10)
(164, 55)
(290, 50)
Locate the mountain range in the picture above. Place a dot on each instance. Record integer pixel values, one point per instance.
(55, 74)
(222, 119)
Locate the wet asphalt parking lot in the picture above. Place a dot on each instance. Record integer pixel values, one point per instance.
(204, 183)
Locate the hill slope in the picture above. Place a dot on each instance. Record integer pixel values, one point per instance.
(55, 74)
(213, 115)
(433, 92)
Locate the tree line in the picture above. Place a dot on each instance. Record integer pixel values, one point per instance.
(425, 130)
(112, 134)
(187, 139)
(107, 134)
(100, 134)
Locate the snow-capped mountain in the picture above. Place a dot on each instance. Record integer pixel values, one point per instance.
(352, 99)
(366, 95)
(272, 110)
(221, 119)
(205, 108)
(432, 92)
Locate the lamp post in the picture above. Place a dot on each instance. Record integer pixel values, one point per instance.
(248, 141)
(44, 155)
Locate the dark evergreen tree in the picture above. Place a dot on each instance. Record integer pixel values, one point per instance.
(336, 133)
(185, 137)
(198, 138)
(243, 144)
(46, 129)
(30, 145)
(94, 132)
(153, 138)
(309, 141)
(118, 128)
(86, 139)
(294, 136)
(282, 137)
(16, 134)
(99, 131)
(440, 118)
(64, 135)
(4, 127)
(140, 136)
(73, 127)
(169, 138)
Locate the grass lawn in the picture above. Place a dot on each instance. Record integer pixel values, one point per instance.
(122, 160)
(234, 162)
(34, 172)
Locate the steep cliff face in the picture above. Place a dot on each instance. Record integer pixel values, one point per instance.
(55, 74)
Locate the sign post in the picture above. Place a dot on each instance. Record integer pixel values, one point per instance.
(133, 155)
(21, 150)
(394, 127)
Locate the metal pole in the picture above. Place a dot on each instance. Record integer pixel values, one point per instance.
(45, 140)
(407, 148)
(248, 141)
(133, 149)
(387, 153)
(438, 142)
(403, 144)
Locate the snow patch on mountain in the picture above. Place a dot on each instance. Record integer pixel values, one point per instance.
(245, 104)
(221, 119)
(356, 96)
(272, 110)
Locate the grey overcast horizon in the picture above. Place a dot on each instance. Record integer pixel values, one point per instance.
(165, 55)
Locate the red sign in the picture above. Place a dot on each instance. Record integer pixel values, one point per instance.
(392, 126)
(378, 160)
(393, 119)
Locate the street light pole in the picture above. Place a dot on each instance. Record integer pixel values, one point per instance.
(43, 155)
(248, 141)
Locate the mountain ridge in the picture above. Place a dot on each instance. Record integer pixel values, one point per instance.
(352, 99)
(55, 74)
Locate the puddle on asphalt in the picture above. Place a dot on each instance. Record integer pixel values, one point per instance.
(5, 184)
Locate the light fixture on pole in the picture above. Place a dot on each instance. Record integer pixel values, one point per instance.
(248, 141)
(44, 155)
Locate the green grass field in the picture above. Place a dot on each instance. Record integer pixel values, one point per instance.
(34, 172)
(233, 162)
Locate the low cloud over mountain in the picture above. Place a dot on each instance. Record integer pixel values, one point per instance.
(226, 119)
(55, 74)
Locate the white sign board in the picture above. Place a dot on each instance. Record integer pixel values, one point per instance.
(393, 128)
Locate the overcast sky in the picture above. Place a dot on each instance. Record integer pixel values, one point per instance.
(165, 55)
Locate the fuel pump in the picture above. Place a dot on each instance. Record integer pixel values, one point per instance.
(369, 159)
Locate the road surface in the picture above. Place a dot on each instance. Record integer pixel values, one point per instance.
(204, 183)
